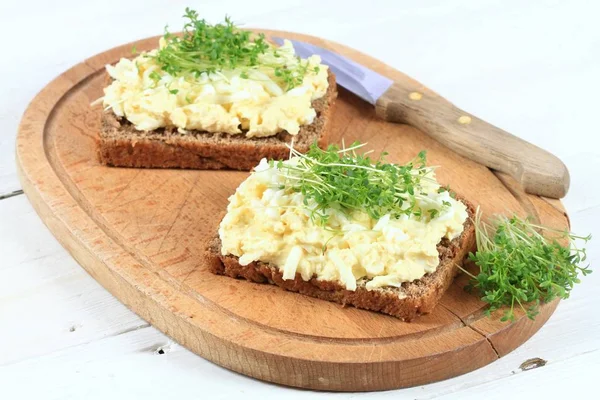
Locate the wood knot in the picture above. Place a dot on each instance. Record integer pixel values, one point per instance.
(160, 350)
(532, 363)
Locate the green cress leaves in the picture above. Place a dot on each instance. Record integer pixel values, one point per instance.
(343, 180)
(205, 48)
(520, 267)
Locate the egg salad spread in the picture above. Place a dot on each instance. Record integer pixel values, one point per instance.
(268, 220)
(249, 101)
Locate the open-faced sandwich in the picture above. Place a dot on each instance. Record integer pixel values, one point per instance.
(339, 226)
(214, 97)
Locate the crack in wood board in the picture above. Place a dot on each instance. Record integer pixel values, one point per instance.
(475, 330)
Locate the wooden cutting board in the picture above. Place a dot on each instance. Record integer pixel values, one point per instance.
(142, 234)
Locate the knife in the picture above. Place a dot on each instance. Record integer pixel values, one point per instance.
(402, 101)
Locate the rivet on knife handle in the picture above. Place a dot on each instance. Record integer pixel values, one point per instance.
(538, 171)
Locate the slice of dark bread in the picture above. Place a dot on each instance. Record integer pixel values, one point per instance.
(412, 299)
(122, 145)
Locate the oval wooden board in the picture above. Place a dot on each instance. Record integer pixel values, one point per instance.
(142, 234)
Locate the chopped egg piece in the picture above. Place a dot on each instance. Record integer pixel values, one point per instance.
(268, 222)
(223, 101)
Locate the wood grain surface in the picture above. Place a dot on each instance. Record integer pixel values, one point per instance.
(142, 233)
(538, 171)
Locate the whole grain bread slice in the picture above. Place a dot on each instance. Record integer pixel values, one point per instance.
(122, 145)
(405, 302)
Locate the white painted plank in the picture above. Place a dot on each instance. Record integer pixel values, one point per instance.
(584, 193)
(128, 364)
(553, 381)
(47, 301)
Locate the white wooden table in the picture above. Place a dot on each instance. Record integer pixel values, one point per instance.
(531, 69)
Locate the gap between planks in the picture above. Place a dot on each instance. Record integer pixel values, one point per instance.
(125, 331)
(11, 194)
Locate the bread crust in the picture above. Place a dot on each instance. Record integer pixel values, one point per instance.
(407, 302)
(121, 145)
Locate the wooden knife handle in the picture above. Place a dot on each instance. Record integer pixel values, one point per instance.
(538, 171)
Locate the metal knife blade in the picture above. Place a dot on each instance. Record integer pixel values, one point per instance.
(360, 80)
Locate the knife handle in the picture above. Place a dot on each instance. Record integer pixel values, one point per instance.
(538, 171)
